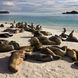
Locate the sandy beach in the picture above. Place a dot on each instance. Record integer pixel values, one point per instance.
(63, 68)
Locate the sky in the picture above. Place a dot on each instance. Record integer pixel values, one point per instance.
(39, 6)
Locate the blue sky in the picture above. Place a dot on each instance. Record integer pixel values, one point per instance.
(39, 6)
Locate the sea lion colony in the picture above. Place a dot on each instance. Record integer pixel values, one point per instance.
(36, 51)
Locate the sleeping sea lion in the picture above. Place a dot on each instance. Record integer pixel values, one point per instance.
(59, 51)
(71, 53)
(5, 35)
(39, 57)
(56, 39)
(16, 58)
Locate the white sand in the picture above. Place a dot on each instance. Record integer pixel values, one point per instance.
(31, 69)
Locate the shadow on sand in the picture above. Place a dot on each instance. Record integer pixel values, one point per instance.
(4, 65)
(27, 37)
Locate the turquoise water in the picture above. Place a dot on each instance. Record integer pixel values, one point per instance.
(51, 21)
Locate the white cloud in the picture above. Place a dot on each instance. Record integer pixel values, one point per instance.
(8, 3)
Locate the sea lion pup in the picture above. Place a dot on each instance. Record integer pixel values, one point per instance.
(45, 33)
(48, 51)
(34, 41)
(38, 57)
(59, 51)
(16, 58)
(63, 35)
(56, 39)
(71, 53)
(5, 35)
(15, 44)
(71, 37)
(5, 47)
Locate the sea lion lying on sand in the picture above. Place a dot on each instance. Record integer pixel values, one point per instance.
(2, 25)
(48, 51)
(71, 37)
(45, 33)
(15, 44)
(16, 58)
(39, 57)
(56, 39)
(63, 35)
(76, 63)
(61, 51)
(34, 41)
(11, 30)
(5, 47)
(71, 53)
(5, 35)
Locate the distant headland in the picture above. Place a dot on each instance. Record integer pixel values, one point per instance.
(72, 12)
(4, 12)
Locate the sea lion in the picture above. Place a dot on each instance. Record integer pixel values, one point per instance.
(39, 57)
(48, 51)
(5, 47)
(2, 25)
(45, 33)
(63, 35)
(11, 30)
(15, 44)
(38, 27)
(5, 35)
(71, 53)
(46, 41)
(76, 63)
(16, 58)
(71, 37)
(59, 51)
(56, 39)
(37, 34)
(34, 41)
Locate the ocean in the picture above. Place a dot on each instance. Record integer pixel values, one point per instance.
(58, 21)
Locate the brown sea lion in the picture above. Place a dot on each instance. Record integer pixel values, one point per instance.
(46, 41)
(38, 27)
(16, 58)
(59, 51)
(11, 30)
(37, 34)
(39, 57)
(34, 41)
(71, 53)
(71, 37)
(56, 39)
(15, 44)
(2, 25)
(5, 47)
(5, 35)
(45, 33)
(48, 51)
(76, 63)
(63, 35)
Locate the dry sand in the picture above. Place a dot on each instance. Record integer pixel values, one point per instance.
(31, 69)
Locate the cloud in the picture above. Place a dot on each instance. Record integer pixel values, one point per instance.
(39, 6)
(8, 3)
